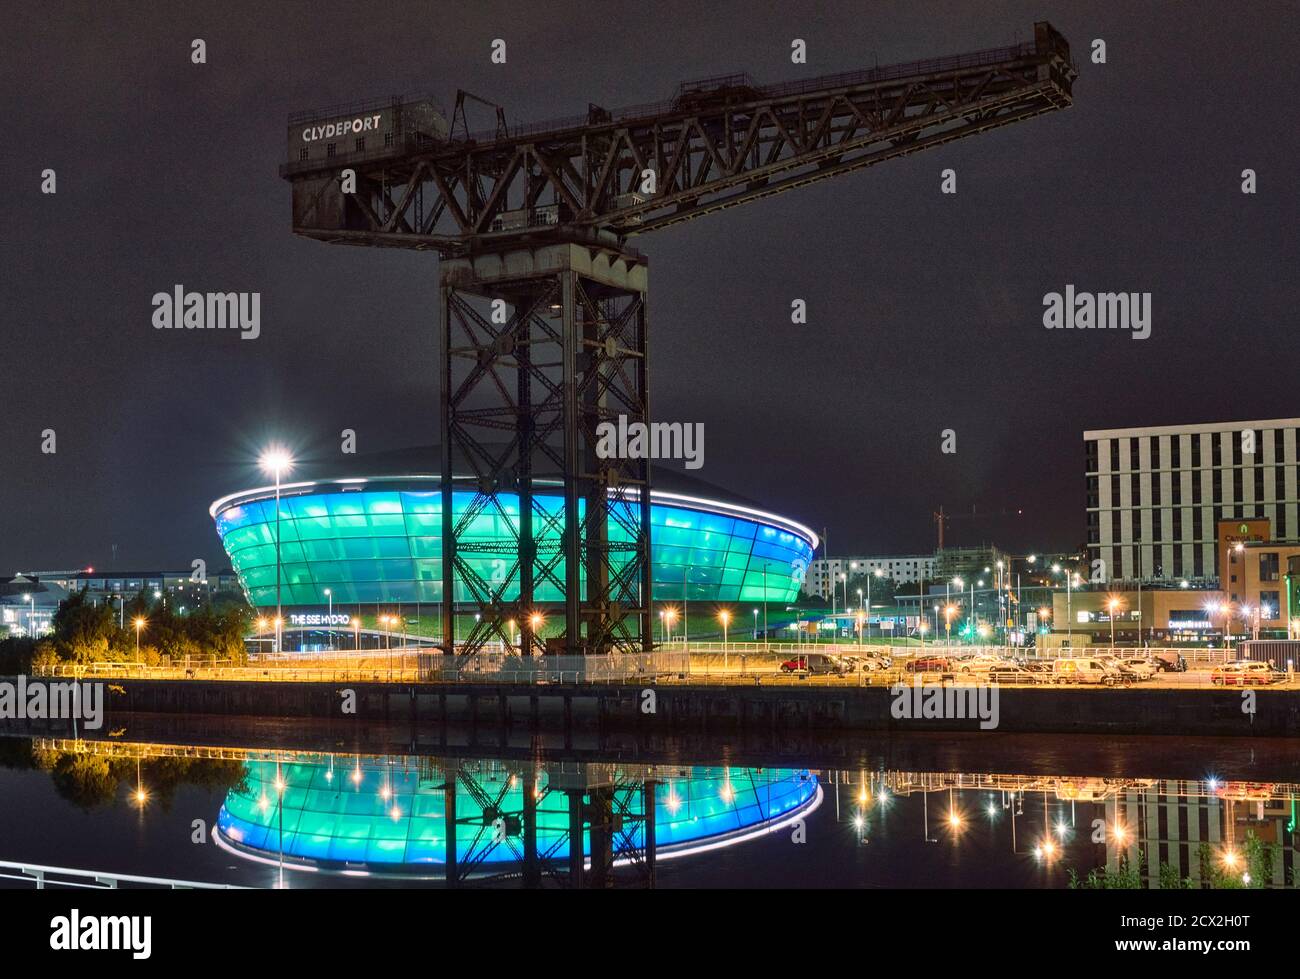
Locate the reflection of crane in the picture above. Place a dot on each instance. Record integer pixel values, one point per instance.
(543, 315)
(941, 518)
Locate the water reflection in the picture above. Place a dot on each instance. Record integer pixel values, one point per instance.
(377, 815)
(323, 818)
(1102, 832)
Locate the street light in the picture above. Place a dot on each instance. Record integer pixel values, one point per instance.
(139, 624)
(1113, 605)
(277, 461)
(725, 618)
(670, 616)
(755, 625)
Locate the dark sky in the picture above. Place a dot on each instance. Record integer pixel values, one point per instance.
(924, 310)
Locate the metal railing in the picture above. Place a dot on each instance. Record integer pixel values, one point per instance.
(705, 662)
(96, 880)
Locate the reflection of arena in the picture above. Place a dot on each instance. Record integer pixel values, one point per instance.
(380, 815)
(375, 535)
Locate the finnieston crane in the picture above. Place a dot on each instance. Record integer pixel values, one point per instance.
(543, 317)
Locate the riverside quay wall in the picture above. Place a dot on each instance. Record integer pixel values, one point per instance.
(720, 708)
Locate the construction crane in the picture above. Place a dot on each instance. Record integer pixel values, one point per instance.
(542, 317)
(942, 518)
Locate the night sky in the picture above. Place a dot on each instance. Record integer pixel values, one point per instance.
(924, 310)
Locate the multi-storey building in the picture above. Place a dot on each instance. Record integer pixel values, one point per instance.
(1156, 495)
(903, 569)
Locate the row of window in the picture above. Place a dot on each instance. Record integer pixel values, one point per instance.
(1197, 455)
(359, 145)
(1168, 525)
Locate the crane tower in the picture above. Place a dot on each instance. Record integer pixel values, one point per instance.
(543, 312)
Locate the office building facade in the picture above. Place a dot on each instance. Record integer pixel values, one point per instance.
(1155, 496)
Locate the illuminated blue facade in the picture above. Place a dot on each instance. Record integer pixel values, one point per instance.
(384, 814)
(380, 540)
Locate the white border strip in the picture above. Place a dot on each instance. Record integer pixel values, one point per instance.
(691, 502)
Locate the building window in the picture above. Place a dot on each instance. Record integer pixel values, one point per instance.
(302, 153)
(1268, 566)
(361, 143)
(388, 139)
(329, 149)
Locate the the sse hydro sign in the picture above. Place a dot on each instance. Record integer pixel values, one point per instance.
(385, 545)
(319, 618)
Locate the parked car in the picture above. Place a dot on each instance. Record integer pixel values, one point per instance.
(867, 663)
(816, 664)
(979, 664)
(1138, 667)
(929, 664)
(1014, 673)
(1086, 669)
(1169, 661)
(1245, 673)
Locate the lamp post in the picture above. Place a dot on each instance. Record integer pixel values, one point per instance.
(139, 624)
(755, 625)
(277, 461)
(329, 620)
(725, 618)
(1112, 606)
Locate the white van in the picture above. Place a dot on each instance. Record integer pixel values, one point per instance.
(1085, 669)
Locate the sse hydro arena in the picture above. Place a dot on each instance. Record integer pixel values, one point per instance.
(370, 535)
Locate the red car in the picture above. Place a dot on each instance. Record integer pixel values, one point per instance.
(929, 664)
(816, 663)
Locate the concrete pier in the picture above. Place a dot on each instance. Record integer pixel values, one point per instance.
(683, 707)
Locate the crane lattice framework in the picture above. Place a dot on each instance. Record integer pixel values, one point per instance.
(543, 305)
